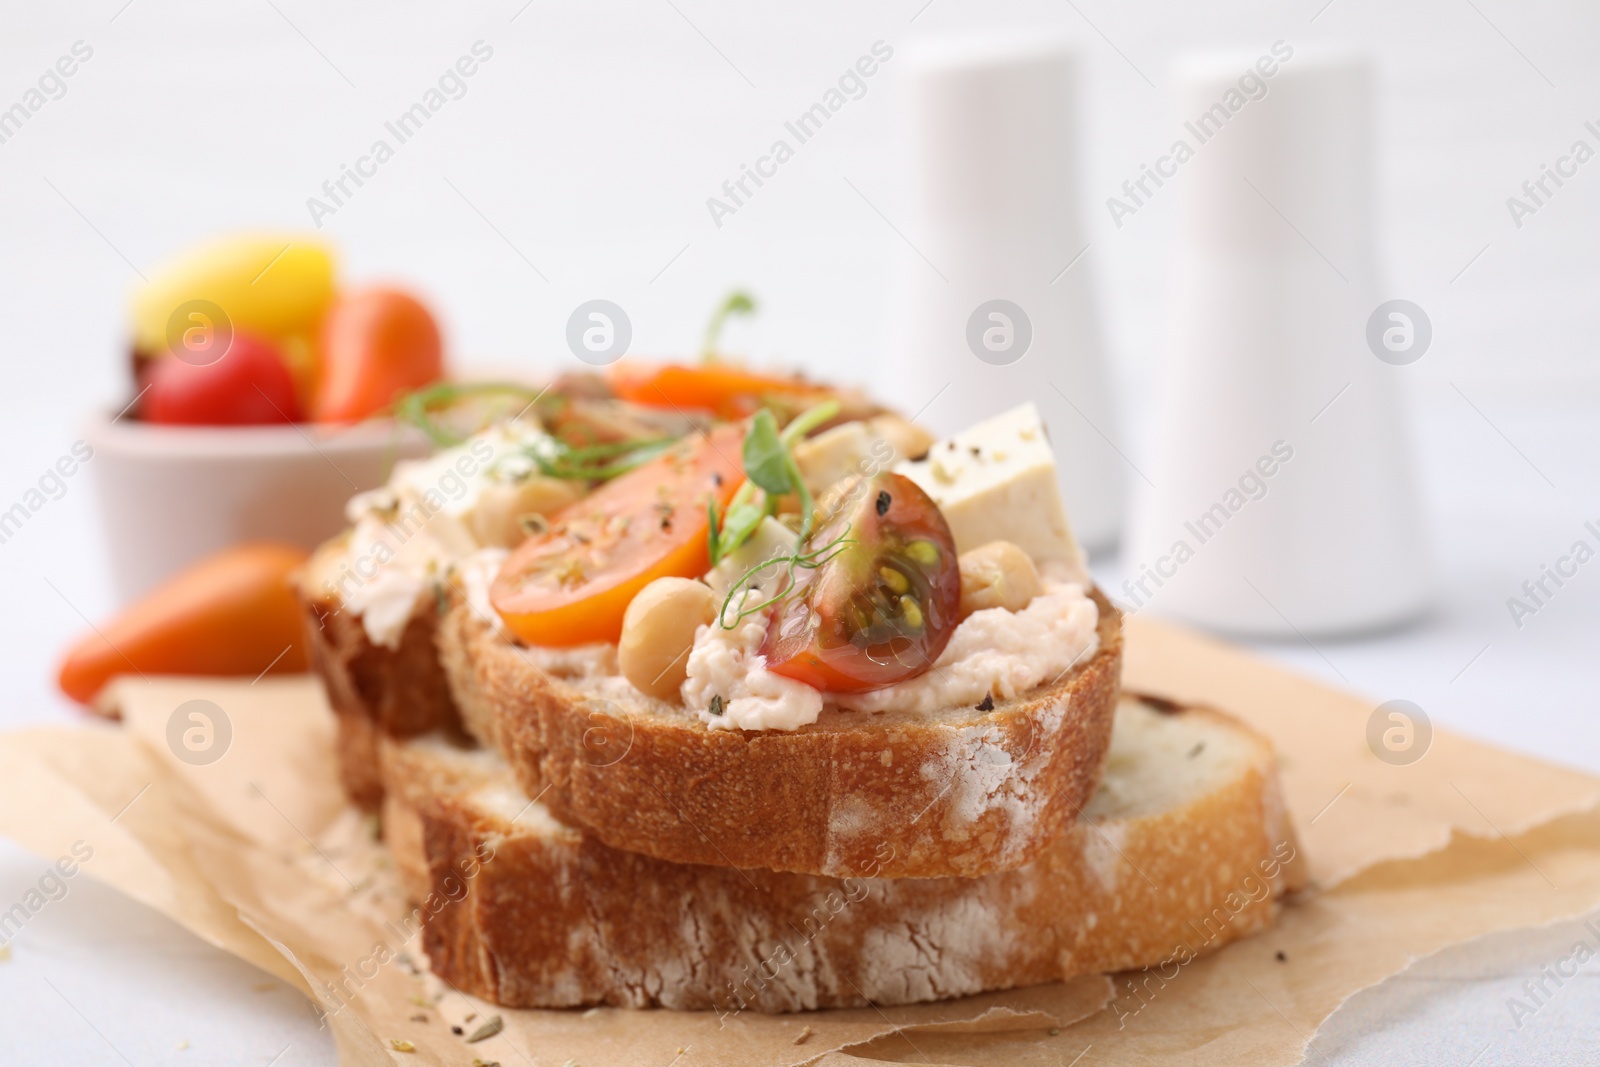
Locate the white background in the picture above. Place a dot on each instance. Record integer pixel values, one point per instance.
(584, 151)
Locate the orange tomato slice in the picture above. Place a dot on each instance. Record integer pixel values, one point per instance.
(572, 584)
(726, 391)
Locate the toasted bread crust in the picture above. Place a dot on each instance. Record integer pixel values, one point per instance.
(374, 690)
(965, 795)
(555, 918)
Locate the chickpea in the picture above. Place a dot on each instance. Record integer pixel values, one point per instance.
(997, 575)
(658, 631)
(906, 438)
(497, 520)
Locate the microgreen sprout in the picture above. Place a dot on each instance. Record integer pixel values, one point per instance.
(798, 560)
(771, 472)
(420, 407)
(737, 303)
(595, 463)
(554, 458)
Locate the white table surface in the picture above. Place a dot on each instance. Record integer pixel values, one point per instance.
(591, 141)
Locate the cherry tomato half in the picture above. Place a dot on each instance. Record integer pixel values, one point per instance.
(572, 584)
(883, 606)
(249, 385)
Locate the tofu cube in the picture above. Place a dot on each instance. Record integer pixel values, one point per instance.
(842, 452)
(997, 482)
(853, 448)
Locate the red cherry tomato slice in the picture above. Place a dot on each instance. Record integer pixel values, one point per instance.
(250, 385)
(883, 606)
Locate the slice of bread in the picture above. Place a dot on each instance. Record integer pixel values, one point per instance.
(1185, 847)
(374, 691)
(961, 792)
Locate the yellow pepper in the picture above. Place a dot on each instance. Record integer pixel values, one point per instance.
(276, 286)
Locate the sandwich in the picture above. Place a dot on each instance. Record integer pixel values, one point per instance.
(775, 646)
(781, 705)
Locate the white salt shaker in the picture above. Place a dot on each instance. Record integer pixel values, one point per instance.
(1284, 499)
(999, 306)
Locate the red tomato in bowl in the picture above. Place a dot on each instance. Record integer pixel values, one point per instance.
(883, 606)
(250, 385)
(376, 345)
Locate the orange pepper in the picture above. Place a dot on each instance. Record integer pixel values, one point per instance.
(232, 613)
(376, 345)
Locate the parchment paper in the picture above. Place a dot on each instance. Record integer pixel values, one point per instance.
(257, 853)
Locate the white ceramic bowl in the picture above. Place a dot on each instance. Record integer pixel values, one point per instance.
(172, 494)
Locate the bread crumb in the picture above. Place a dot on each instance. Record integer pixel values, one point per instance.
(491, 1026)
(805, 1032)
(5, 953)
(401, 1045)
(182, 1045)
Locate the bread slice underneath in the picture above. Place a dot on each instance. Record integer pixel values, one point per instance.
(1185, 847)
(964, 791)
(374, 691)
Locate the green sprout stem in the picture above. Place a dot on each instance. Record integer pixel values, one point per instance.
(737, 303)
(418, 408)
(748, 494)
(808, 420)
(615, 458)
(794, 561)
